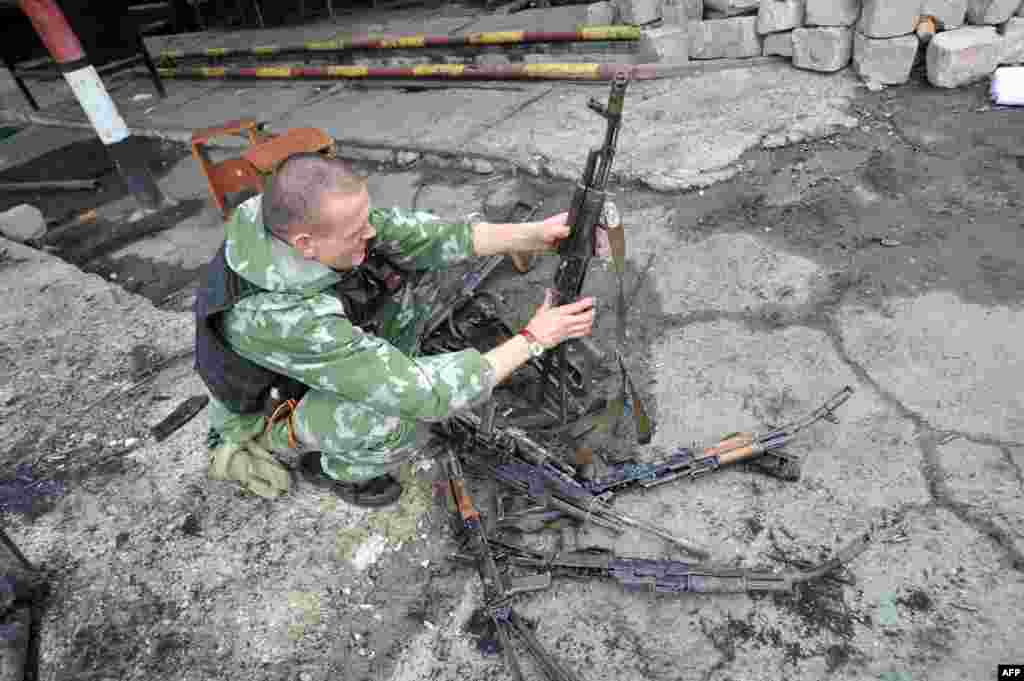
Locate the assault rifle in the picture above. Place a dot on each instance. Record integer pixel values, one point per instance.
(496, 595)
(577, 249)
(686, 463)
(672, 576)
(512, 458)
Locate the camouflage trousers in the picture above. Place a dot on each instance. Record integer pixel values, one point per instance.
(356, 443)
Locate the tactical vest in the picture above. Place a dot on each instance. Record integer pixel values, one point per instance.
(243, 386)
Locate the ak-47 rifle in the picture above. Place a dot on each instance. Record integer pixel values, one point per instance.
(510, 457)
(496, 595)
(672, 576)
(686, 463)
(576, 250)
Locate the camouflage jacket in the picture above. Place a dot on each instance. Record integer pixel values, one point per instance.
(298, 327)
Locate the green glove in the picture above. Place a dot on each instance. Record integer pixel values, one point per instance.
(250, 465)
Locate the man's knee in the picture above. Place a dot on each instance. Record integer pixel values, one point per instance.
(330, 424)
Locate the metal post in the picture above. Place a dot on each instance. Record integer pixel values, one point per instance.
(63, 45)
(157, 83)
(12, 67)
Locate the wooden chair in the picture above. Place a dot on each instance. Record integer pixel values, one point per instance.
(265, 151)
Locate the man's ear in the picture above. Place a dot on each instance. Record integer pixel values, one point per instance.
(303, 243)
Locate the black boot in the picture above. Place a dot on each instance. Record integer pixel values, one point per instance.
(373, 493)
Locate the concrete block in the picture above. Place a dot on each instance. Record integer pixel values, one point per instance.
(600, 13)
(989, 12)
(731, 8)
(832, 12)
(888, 18)
(673, 13)
(725, 38)
(884, 60)
(963, 56)
(681, 12)
(779, 15)
(638, 11)
(1012, 33)
(949, 14)
(666, 45)
(823, 48)
(778, 44)
(23, 222)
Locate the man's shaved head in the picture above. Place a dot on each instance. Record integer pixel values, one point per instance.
(295, 193)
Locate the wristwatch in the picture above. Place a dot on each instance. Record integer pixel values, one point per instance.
(536, 349)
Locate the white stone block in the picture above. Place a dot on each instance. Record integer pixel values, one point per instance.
(725, 38)
(600, 14)
(888, 18)
(779, 15)
(638, 11)
(1012, 33)
(832, 12)
(731, 8)
(676, 12)
(779, 44)
(963, 56)
(989, 12)
(884, 60)
(949, 14)
(666, 44)
(23, 222)
(824, 48)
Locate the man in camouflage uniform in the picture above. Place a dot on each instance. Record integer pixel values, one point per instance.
(295, 305)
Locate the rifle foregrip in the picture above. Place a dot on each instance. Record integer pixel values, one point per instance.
(463, 501)
(735, 442)
(740, 454)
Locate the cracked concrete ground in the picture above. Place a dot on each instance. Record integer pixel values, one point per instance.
(751, 300)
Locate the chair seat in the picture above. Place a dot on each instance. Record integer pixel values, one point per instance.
(234, 175)
(260, 158)
(266, 155)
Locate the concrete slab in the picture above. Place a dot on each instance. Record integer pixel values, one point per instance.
(726, 273)
(447, 201)
(565, 18)
(33, 142)
(987, 479)
(439, 119)
(394, 189)
(671, 141)
(955, 364)
(226, 101)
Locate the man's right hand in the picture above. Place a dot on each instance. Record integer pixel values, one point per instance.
(552, 325)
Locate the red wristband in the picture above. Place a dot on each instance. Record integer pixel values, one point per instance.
(530, 338)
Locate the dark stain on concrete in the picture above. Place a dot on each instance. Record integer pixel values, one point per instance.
(916, 600)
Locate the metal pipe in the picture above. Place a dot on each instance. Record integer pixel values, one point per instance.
(385, 42)
(63, 45)
(70, 185)
(588, 72)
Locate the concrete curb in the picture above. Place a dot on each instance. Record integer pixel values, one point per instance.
(407, 155)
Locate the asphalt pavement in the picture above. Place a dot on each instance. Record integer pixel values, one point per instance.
(751, 197)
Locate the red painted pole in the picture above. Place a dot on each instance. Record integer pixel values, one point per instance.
(63, 45)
